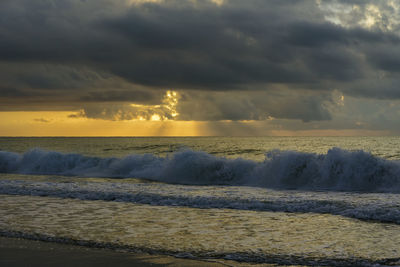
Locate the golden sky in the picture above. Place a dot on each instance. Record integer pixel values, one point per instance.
(59, 124)
(45, 123)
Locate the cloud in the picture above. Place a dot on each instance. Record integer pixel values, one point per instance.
(229, 60)
(42, 120)
(166, 110)
(42, 86)
(220, 106)
(188, 45)
(244, 106)
(121, 96)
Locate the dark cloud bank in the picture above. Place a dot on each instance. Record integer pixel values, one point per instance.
(240, 60)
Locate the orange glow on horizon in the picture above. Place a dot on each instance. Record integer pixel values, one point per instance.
(46, 123)
(59, 124)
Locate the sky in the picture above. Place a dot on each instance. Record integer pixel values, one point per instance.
(199, 67)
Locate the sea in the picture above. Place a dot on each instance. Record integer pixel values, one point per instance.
(306, 201)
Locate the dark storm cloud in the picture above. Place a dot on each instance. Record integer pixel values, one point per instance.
(254, 106)
(47, 85)
(231, 47)
(121, 96)
(110, 51)
(378, 88)
(182, 44)
(13, 92)
(387, 58)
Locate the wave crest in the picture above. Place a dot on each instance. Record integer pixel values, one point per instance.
(338, 169)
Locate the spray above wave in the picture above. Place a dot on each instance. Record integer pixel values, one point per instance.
(339, 169)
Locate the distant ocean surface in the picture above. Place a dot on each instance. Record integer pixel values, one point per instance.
(332, 201)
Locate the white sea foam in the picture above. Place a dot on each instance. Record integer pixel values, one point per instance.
(338, 170)
(365, 206)
(259, 237)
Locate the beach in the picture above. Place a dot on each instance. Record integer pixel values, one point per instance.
(24, 252)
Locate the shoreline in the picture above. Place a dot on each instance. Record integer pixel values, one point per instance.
(25, 252)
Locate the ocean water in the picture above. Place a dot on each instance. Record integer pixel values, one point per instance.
(332, 201)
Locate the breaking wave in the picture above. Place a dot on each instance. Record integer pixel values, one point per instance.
(337, 170)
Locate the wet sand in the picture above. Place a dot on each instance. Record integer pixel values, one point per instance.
(22, 252)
